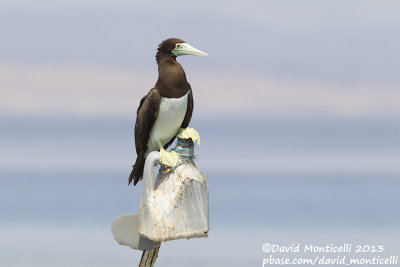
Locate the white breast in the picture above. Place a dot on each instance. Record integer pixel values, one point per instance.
(169, 119)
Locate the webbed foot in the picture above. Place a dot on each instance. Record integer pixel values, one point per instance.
(186, 133)
(169, 158)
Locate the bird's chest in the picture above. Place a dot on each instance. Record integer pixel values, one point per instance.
(169, 119)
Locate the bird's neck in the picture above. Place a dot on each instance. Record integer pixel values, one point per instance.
(171, 81)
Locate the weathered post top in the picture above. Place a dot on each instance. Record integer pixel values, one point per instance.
(174, 206)
(177, 206)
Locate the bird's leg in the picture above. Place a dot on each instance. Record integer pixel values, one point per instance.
(168, 158)
(186, 133)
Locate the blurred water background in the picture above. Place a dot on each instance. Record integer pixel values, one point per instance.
(64, 181)
(301, 143)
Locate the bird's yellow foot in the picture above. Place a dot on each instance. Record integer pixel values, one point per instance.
(186, 133)
(169, 158)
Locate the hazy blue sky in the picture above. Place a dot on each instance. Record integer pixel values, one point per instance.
(294, 58)
(335, 40)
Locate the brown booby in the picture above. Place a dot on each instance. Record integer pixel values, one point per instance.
(166, 108)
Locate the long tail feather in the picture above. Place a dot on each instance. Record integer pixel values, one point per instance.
(137, 171)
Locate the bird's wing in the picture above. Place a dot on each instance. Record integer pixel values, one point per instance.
(189, 110)
(186, 119)
(146, 116)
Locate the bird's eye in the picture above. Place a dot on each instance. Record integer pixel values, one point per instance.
(178, 46)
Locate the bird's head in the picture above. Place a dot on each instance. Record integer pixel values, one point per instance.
(177, 47)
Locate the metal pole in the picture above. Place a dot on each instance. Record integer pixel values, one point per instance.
(149, 257)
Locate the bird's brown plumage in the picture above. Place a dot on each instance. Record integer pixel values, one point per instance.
(171, 83)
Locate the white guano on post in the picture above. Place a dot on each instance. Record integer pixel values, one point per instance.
(174, 206)
(177, 206)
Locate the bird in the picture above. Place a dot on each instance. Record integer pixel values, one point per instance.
(166, 109)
